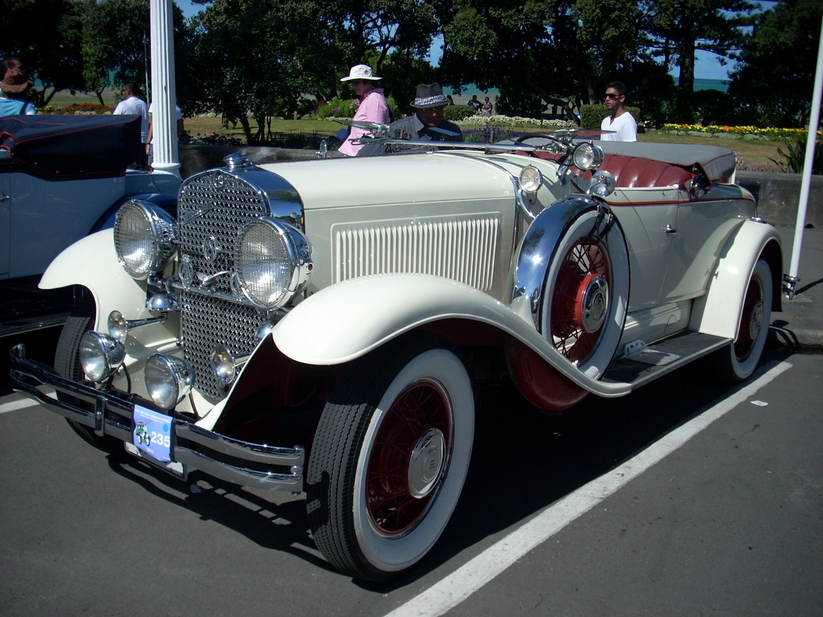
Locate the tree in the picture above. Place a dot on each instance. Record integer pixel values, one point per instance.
(679, 28)
(46, 38)
(561, 52)
(116, 42)
(257, 56)
(777, 64)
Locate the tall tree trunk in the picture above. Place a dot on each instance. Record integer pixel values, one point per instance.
(685, 83)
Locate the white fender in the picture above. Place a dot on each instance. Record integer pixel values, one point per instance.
(92, 263)
(718, 311)
(345, 321)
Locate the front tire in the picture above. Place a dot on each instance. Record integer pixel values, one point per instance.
(737, 362)
(67, 364)
(390, 457)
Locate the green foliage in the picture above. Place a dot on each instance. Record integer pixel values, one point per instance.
(794, 158)
(336, 108)
(777, 67)
(456, 113)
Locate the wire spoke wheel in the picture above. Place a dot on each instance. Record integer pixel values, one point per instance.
(737, 362)
(390, 457)
(585, 295)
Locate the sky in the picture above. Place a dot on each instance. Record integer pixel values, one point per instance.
(706, 64)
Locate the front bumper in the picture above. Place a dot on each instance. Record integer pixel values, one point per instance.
(192, 448)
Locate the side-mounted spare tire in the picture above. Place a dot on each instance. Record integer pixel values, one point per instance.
(585, 295)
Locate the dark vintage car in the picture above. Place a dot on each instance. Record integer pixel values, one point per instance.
(325, 326)
(62, 178)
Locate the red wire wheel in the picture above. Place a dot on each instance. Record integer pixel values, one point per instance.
(580, 301)
(409, 457)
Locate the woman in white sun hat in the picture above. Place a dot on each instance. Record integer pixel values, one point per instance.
(372, 106)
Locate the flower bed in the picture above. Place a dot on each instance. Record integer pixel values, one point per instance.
(733, 132)
(78, 109)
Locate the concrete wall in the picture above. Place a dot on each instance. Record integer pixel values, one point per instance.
(778, 194)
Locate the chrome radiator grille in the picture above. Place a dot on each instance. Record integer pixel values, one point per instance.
(213, 208)
(461, 249)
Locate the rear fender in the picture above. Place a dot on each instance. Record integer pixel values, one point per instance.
(346, 321)
(754, 240)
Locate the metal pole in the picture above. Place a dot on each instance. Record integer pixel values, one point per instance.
(791, 279)
(164, 96)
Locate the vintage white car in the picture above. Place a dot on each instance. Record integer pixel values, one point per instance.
(323, 326)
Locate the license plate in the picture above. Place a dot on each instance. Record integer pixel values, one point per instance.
(152, 433)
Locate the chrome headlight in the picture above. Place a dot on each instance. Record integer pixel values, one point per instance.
(530, 179)
(587, 156)
(603, 184)
(273, 262)
(100, 356)
(143, 237)
(168, 380)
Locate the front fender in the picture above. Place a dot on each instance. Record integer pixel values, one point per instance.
(92, 263)
(718, 311)
(345, 321)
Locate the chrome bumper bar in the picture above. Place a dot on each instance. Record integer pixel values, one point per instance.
(192, 447)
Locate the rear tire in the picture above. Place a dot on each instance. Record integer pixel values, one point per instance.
(738, 361)
(389, 459)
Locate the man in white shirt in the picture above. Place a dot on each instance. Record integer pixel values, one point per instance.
(133, 104)
(620, 119)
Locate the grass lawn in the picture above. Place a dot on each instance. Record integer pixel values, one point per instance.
(754, 152)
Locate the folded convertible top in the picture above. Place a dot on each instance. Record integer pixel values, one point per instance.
(70, 147)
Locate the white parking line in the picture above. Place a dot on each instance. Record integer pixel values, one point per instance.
(16, 405)
(462, 583)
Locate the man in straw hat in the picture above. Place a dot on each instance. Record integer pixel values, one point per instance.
(372, 106)
(427, 123)
(14, 88)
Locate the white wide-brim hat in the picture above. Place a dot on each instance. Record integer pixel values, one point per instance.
(360, 71)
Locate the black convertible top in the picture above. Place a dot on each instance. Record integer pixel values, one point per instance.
(70, 147)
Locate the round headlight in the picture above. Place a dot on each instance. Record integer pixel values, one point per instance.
(142, 238)
(587, 156)
(100, 356)
(530, 179)
(603, 184)
(273, 262)
(168, 380)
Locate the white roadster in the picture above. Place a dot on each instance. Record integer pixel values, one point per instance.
(323, 326)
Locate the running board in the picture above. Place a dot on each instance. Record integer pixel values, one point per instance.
(643, 364)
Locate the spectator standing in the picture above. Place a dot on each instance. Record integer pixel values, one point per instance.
(619, 120)
(14, 89)
(133, 103)
(371, 106)
(475, 104)
(486, 108)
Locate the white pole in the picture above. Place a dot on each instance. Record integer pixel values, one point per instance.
(164, 96)
(814, 122)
